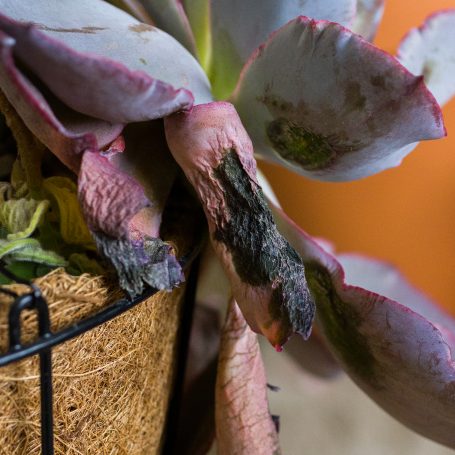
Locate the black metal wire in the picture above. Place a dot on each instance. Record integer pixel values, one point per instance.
(34, 300)
(56, 338)
(47, 339)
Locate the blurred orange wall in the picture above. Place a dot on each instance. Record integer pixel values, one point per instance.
(405, 215)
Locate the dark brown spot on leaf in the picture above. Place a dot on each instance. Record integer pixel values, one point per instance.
(141, 28)
(261, 256)
(354, 100)
(86, 30)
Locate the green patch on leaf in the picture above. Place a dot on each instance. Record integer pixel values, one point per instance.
(294, 143)
(340, 322)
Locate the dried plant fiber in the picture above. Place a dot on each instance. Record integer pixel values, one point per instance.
(111, 385)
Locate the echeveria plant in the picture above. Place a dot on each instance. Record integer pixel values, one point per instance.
(92, 84)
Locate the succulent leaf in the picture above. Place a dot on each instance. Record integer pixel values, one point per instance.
(327, 104)
(429, 50)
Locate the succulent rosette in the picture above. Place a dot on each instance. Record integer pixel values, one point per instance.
(206, 86)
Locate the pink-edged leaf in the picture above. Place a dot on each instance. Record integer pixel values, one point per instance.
(67, 136)
(239, 27)
(169, 15)
(369, 14)
(327, 104)
(243, 422)
(266, 275)
(109, 197)
(430, 51)
(118, 69)
(402, 360)
(385, 279)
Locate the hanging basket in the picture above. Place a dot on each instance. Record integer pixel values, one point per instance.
(111, 384)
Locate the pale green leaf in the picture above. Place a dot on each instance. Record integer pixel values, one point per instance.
(21, 217)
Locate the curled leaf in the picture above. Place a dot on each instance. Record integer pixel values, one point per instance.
(325, 103)
(401, 356)
(368, 16)
(239, 27)
(266, 274)
(109, 197)
(429, 50)
(138, 263)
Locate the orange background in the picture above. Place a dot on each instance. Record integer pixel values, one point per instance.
(405, 215)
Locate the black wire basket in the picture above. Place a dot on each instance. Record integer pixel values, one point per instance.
(47, 339)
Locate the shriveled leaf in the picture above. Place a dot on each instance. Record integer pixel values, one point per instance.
(266, 274)
(21, 217)
(73, 228)
(239, 27)
(368, 16)
(429, 51)
(243, 422)
(169, 15)
(108, 196)
(402, 360)
(313, 355)
(140, 263)
(329, 105)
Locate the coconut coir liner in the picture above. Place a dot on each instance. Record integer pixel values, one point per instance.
(111, 384)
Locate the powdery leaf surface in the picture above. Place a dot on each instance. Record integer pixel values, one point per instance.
(67, 137)
(430, 51)
(266, 275)
(119, 69)
(239, 27)
(327, 104)
(402, 360)
(243, 422)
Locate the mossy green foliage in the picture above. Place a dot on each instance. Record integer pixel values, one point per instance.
(294, 143)
(261, 256)
(341, 324)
